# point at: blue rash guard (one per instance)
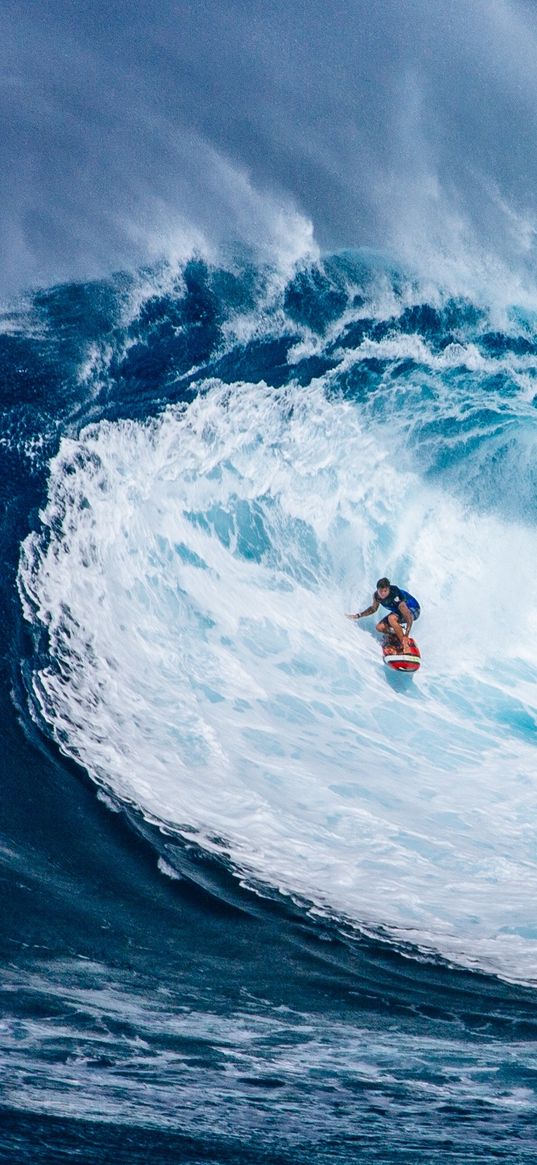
(395, 598)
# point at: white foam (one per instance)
(193, 574)
(168, 870)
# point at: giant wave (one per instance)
(251, 453)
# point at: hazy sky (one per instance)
(134, 130)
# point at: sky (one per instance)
(131, 132)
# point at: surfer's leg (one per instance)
(395, 625)
(408, 650)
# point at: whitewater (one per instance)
(187, 580)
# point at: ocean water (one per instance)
(263, 901)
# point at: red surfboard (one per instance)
(397, 661)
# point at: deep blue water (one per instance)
(259, 903)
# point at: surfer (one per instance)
(403, 609)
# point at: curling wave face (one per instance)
(191, 570)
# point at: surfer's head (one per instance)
(383, 584)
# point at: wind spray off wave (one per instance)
(192, 572)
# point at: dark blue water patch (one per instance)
(454, 321)
(424, 319)
(438, 325)
(240, 288)
(76, 314)
(313, 299)
(191, 302)
(27, 370)
(41, 1139)
(357, 332)
(461, 314)
(268, 361)
(49, 342)
(310, 368)
(40, 361)
(29, 440)
(499, 344)
(261, 360)
(172, 334)
(354, 334)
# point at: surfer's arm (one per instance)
(368, 611)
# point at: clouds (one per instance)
(398, 125)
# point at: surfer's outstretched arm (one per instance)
(368, 611)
